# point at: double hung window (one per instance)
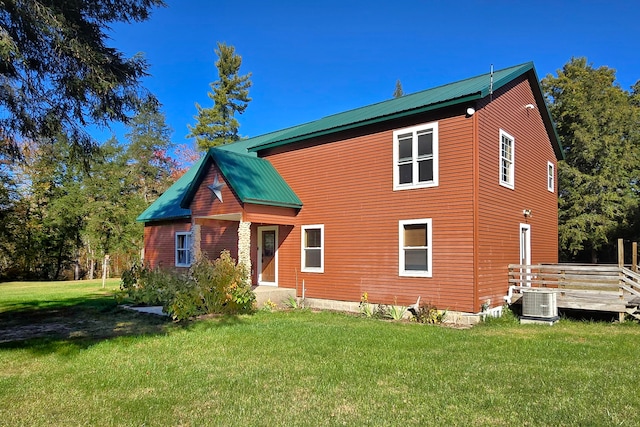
(183, 249)
(415, 157)
(312, 248)
(507, 150)
(551, 177)
(415, 248)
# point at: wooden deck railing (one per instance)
(581, 286)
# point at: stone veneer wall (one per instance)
(244, 245)
(196, 238)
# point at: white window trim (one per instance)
(188, 248)
(551, 177)
(511, 182)
(401, 261)
(304, 268)
(396, 171)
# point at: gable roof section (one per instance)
(255, 180)
(167, 206)
(252, 179)
(471, 89)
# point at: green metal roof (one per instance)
(442, 96)
(167, 206)
(255, 180)
(252, 179)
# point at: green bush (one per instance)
(220, 287)
(145, 286)
(428, 313)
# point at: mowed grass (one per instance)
(308, 368)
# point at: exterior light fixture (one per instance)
(471, 111)
(526, 213)
(529, 106)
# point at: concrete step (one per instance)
(277, 295)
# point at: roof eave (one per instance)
(546, 117)
(471, 97)
(273, 203)
(165, 218)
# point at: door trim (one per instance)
(525, 253)
(275, 255)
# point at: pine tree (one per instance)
(58, 74)
(597, 125)
(217, 125)
(398, 92)
(147, 153)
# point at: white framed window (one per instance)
(415, 251)
(551, 177)
(312, 252)
(507, 159)
(415, 157)
(183, 249)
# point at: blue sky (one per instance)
(312, 59)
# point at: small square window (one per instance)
(312, 255)
(415, 248)
(551, 177)
(183, 249)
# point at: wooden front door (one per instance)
(268, 256)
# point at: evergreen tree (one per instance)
(597, 123)
(398, 92)
(47, 218)
(217, 125)
(149, 142)
(58, 75)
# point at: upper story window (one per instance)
(415, 248)
(313, 248)
(551, 177)
(415, 157)
(183, 249)
(507, 165)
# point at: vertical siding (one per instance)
(500, 209)
(160, 243)
(347, 185)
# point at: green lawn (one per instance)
(111, 367)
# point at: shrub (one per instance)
(145, 286)
(428, 313)
(219, 287)
(224, 284)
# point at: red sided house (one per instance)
(429, 195)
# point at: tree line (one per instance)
(64, 213)
(67, 202)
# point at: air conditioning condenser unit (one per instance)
(539, 306)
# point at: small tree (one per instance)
(398, 92)
(217, 125)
